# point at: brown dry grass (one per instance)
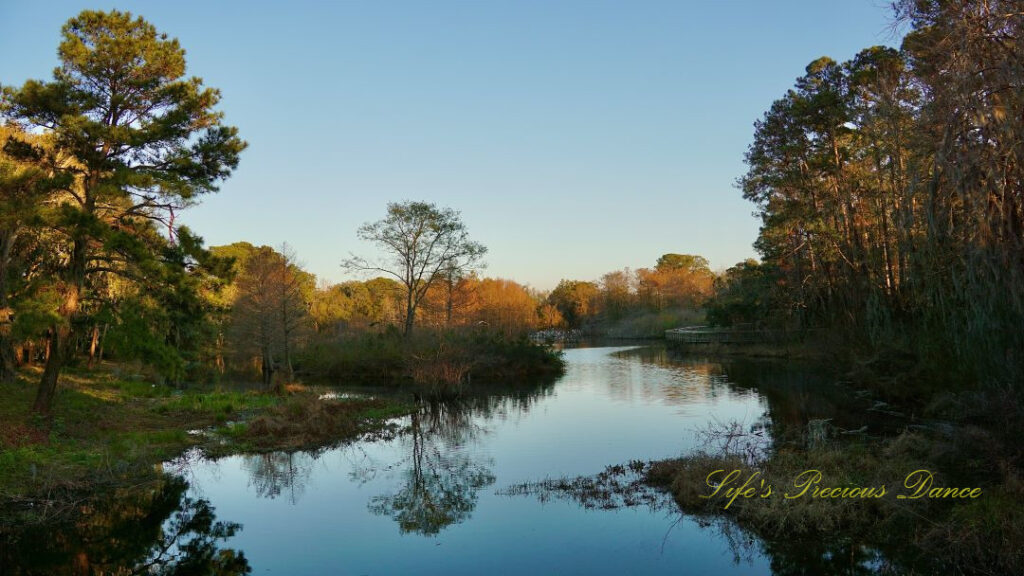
(307, 422)
(980, 536)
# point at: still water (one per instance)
(438, 493)
(430, 500)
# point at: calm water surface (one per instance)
(428, 500)
(438, 494)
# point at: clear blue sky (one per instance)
(576, 137)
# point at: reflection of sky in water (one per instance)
(306, 515)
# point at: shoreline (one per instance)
(47, 466)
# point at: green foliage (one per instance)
(368, 357)
(690, 262)
(748, 293)
(436, 362)
(33, 315)
(227, 403)
(137, 335)
(355, 304)
(136, 140)
(574, 300)
(171, 324)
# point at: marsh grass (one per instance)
(976, 536)
(308, 422)
(617, 486)
(885, 535)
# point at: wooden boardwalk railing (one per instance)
(738, 335)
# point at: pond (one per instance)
(437, 494)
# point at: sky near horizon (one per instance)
(575, 137)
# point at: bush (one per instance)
(436, 362)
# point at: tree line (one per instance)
(677, 282)
(889, 189)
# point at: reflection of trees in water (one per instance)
(661, 377)
(626, 486)
(143, 530)
(795, 392)
(505, 400)
(799, 394)
(279, 473)
(440, 478)
(829, 554)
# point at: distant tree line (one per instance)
(676, 282)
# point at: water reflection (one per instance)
(440, 479)
(402, 503)
(155, 530)
(795, 392)
(443, 472)
(278, 473)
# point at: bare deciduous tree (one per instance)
(422, 243)
(271, 309)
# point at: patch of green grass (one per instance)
(216, 402)
(136, 389)
(103, 430)
(234, 431)
(386, 411)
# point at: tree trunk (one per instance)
(268, 368)
(61, 338)
(448, 304)
(410, 313)
(94, 341)
(7, 372)
(220, 353)
(103, 338)
(48, 383)
(7, 358)
(288, 358)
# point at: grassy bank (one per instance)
(982, 535)
(105, 432)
